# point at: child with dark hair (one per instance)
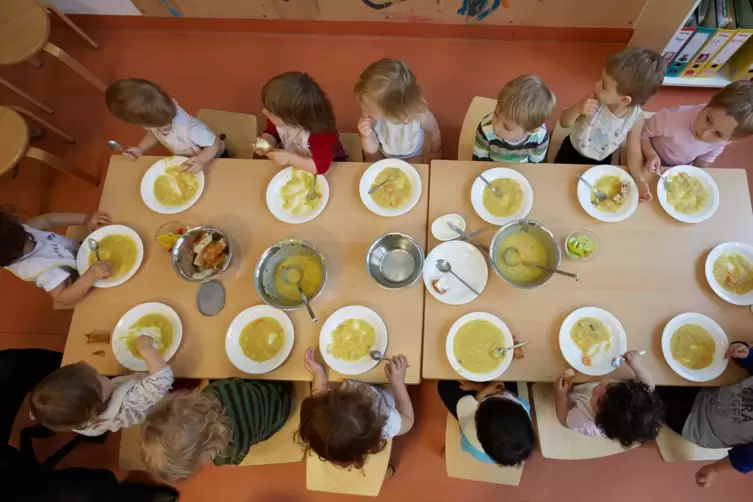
(627, 411)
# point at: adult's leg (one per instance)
(567, 154)
(678, 403)
(450, 393)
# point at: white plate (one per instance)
(441, 231)
(449, 347)
(82, 258)
(584, 193)
(338, 317)
(720, 361)
(466, 261)
(119, 348)
(601, 362)
(232, 340)
(274, 200)
(371, 173)
(740, 248)
(150, 176)
(477, 195)
(704, 177)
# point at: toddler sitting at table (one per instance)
(697, 134)
(76, 397)
(516, 131)
(628, 411)
(33, 253)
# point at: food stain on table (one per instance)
(262, 339)
(395, 192)
(687, 194)
(616, 192)
(117, 249)
(530, 249)
(312, 276)
(294, 193)
(352, 340)
(162, 331)
(474, 343)
(693, 347)
(506, 204)
(174, 187)
(734, 273)
(591, 336)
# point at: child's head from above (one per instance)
(342, 427)
(523, 105)
(504, 430)
(14, 240)
(630, 77)
(728, 115)
(387, 89)
(295, 99)
(627, 411)
(140, 102)
(70, 397)
(182, 433)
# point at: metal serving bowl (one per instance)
(540, 232)
(395, 260)
(264, 274)
(183, 256)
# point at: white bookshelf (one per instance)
(716, 81)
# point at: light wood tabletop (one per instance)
(650, 268)
(234, 200)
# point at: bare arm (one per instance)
(57, 220)
(635, 362)
(154, 360)
(561, 387)
(431, 128)
(147, 142)
(369, 140)
(570, 115)
(305, 163)
(395, 371)
(71, 293)
(635, 159)
(316, 369)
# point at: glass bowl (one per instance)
(585, 233)
(169, 233)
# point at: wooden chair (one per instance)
(480, 107)
(351, 143)
(559, 442)
(675, 448)
(129, 457)
(462, 465)
(325, 477)
(239, 130)
(21, 93)
(555, 141)
(25, 30)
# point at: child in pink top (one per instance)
(698, 134)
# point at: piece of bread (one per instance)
(262, 144)
(97, 337)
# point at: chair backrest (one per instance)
(239, 130)
(675, 448)
(555, 141)
(351, 143)
(479, 108)
(325, 477)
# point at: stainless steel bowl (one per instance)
(395, 260)
(543, 234)
(182, 256)
(264, 274)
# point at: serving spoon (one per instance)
(511, 257)
(292, 275)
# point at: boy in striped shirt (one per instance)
(516, 131)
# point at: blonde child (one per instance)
(628, 411)
(697, 134)
(76, 397)
(395, 119)
(219, 424)
(346, 422)
(143, 103)
(33, 253)
(608, 116)
(516, 131)
(300, 119)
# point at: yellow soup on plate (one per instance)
(693, 347)
(591, 336)
(687, 194)
(530, 249)
(734, 273)
(311, 276)
(120, 250)
(174, 188)
(162, 331)
(612, 186)
(395, 192)
(506, 204)
(474, 343)
(352, 340)
(294, 193)
(262, 339)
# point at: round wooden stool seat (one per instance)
(15, 139)
(25, 29)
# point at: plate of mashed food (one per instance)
(512, 198)
(348, 336)
(689, 195)
(729, 272)
(156, 320)
(119, 245)
(166, 189)
(621, 190)
(259, 339)
(395, 187)
(589, 338)
(471, 346)
(287, 195)
(695, 347)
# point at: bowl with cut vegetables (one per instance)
(581, 245)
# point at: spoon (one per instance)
(661, 177)
(444, 266)
(600, 196)
(617, 361)
(511, 257)
(114, 145)
(380, 185)
(496, 191)
(293, 275)
(311, 195)
(500, 352)
(466, 236)
(377, 356)
(94, 246)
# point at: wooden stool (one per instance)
(325, 477)
(15, 144)
(25, 30)
(239, 130)
(25, 96)
(675, 448)
(479, 108)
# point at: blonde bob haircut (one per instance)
(391, 86)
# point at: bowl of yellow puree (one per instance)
(535, 244)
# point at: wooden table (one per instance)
(234, 200)
(650, 268)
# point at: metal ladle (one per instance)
(293, 275)
(94, 246)
(511, 257)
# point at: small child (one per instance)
(346, 422)
(76, 397)
(221, 423)
(628, 411)
(395, 118)
(612, 114)
(495, 423)
(697, 134)
(33, 253)
(516, 131)
(300, 119)
(143, 103)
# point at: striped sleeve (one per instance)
(481, 148)
(540, 145)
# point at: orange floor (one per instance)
(226, 71)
